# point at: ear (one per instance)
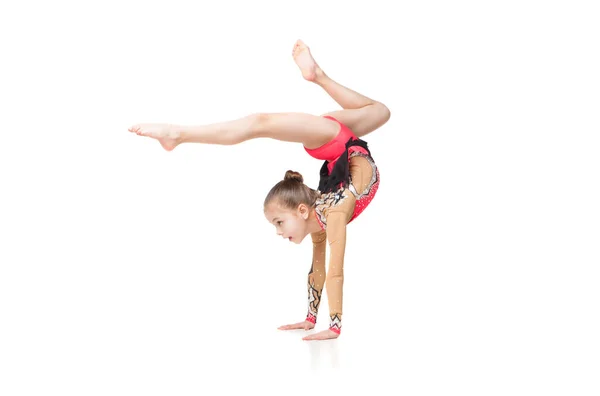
(303, 211)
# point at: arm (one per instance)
(336, 237)
(316, 281)
(316, 275)
(337, 218)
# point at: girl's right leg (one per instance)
(361, 114)
(310, 130)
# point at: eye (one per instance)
(279, 222)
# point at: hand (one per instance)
(322, 335)
(306, 325)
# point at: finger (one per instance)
(289, 327)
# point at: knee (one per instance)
(253, 127)
(260, 122)
(259, 119)
(383, 112)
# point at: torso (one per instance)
(345, 198)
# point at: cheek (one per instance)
(296, 226)
(288, 227)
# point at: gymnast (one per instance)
(348, 179)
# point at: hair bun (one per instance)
(293, 176)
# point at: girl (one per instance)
(349, 177)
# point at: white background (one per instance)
(129, 270)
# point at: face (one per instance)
(289, 224)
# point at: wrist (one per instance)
(335, 324)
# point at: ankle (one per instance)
(320, 77)
(176, 132)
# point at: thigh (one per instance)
(310, 130)
(364, 120)
(361, 173)
(364, 182)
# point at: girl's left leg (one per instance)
(310, 130)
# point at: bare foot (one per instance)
(303, 58)
(167, 136)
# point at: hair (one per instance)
(291, 192)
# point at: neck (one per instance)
(313, 223)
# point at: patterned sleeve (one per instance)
(336, 237)
(316, 275)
